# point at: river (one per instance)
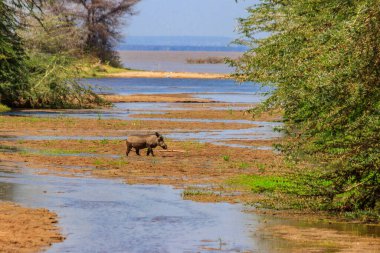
(104, 215)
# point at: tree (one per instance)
(34, 78)
(322, 59)
(12, 69)
(101, 20)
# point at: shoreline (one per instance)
(25, 229)
(162, 74)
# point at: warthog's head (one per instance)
(160, 141)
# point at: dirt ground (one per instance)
(317, 240)
(27, 230)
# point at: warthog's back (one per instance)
(141, 140)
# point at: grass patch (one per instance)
(244, 165)
(260, 184)
(5, 148)
(193, 191)
(90, 69)
(293, 191)
(4, 108)
(226, 158)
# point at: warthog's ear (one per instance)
(157, 134)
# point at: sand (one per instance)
(27, 230)
(161, 74)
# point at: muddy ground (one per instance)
(186, 164)
(27, 230)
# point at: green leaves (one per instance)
(36, 79)
(323, 57)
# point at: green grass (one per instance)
(4, 108)
(54, 152)
(293, 191)
(104, 142)
(226, 158)
(89, 70)
(9, 148)
(193, 191)
(261, 183)
(244, 165)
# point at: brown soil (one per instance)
(27, 230)
(212, 114)
(185, 163)
(159, 74)
(323, 240)
(163, 98)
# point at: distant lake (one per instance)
(219, 90)
(175, 61)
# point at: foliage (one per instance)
(52, 34)
(4, 108)
(100, 20)
(12, 53)
(52, 84)
(35, 78)
(323, 60)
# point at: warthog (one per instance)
(145, 141)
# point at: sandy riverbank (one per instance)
(162, 74)
(155, 98)
(26, 229)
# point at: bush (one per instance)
(322, 58)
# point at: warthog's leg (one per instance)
(150, 151)
(137, 151)
(129, 148)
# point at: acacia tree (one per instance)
(101, 20)
(323, 60)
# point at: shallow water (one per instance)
(175, 61)
(109, 216)
(98, 215)
(127, 86)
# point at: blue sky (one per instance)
(186, 18)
